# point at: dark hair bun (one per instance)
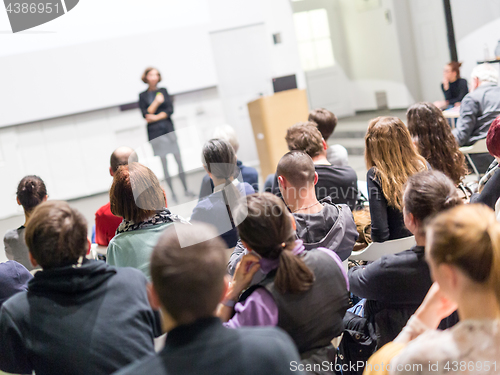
(31, 191)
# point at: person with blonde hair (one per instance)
(390, 159)
(463, 252)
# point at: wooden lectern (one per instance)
(271, 116)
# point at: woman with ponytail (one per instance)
(463, 252)
(304, 292)
(31, 191)
(396, 284)
(219, 160)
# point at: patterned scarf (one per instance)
(489, 174)
(161, 217)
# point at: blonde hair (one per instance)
(468, 237)
(390, 150)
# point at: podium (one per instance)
(271, 116)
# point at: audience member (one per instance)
(454, 88)
(304, 292)
(248, 174)
(78, 316)
(327, 122)
(219, 160)
(105, 222)
(340, 183)
(462, 249)
(435, 142)
(14, 278)
(318, 224)
(136, 195)
(477, 112)
(188, 283)
(390, 159)
(31, 191)
(395, 285)
(489, 185)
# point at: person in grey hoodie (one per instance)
(318, 223)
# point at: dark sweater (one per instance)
(206, 347)
(490, 193)
(14, 278)
(387, 221)
(93, 319)
(456, 91)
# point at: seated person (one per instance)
(395, 285)
(105, 222)
(489, 185)
(78, 316)
(339, 183)
(388, 170)
(197, 343)
(14, 278)
(31, 191)
(464, 257)
(327, 122)
(318, 224)
(136, 195)
(454, 88)
(478, 110)
(217, 209)
(249, 174)
(304, 292)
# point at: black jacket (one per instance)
(93, 319)
(206, 347)
(162, 127)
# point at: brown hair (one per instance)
(189, 280)
(434, 140)
(56, 235)
(267, 226)
(468, 237)
(136, 193)
(145, 74)
(455, 67)
(389, 149)
(31, 191)
(305, 136)
(429, 192)
(325, 120)
(297, 167)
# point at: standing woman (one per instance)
(390, 159)
(435, 142)
(31, 191)
(157, 109)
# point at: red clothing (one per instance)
(105, 225)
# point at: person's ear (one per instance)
(282, 182)
(315, 178)
(111, 172)
(245, 245)
(45, 198)
(294, 224)
(153, 298)
(33, 262)
(89, 245)
(325, 145)
(17, 200)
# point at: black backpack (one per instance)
(357, 345)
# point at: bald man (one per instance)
(105, 222)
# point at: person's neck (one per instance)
(321, 160)
(308, 204)
(153, 88)
(26, 218)
(419, 239)
(454, 80)
(470, 300)
(221, 181)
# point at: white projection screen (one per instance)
(94, 55)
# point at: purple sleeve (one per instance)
(259, 309)
(336, 258)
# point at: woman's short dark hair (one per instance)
(31, 191)
(146, 72)
(56, 235)
(428, 193)
(189, 277)
(219, 158)
(267, 229)
(136, 193)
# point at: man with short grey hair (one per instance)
(478, 110)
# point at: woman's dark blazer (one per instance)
(162, 127)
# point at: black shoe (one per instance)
(189, 194)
